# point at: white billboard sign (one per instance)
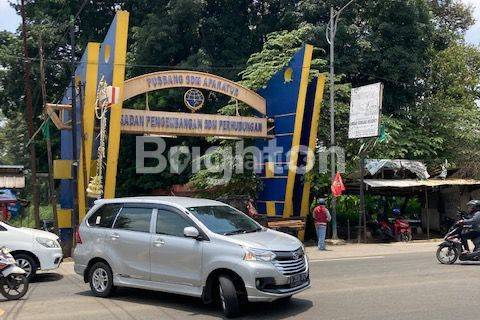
(365, 111)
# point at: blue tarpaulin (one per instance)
(9, 197)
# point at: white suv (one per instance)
(32, 249)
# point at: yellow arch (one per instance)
(192, 79)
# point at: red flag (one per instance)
(337, 185)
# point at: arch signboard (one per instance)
(191, 124)
(192, 79)
(287, 113)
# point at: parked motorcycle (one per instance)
(399, 230)
(13, 279)
(452, 248)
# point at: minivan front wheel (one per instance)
(101, 279)
(229, 300)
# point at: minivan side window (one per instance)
(134, 219)
(170, 223)
(104, 216)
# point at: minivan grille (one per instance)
(290, 262)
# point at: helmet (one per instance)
(473, 205)
(396, 212)
(321, 202)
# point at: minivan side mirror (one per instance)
(191, 232)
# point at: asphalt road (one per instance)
(402, 286)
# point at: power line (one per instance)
(128, 65)
(170, 67)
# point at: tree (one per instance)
(277, 51)
(13, 139)
(398, 42)
(450, 110)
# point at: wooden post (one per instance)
(428, 214)
(362, 214)
(51, 183)
(348, 229)
(29, 117)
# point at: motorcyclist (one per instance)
(397, 213)
(473, 224)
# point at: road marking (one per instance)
(2, 312)
(347, 258)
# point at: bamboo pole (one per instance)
(51, 183)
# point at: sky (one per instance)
(9, 20)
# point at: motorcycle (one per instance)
(452, 248)
(13, 279)
(399, 230)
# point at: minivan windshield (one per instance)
(224, 220)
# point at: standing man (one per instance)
(321, 217)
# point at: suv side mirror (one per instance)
(191, 232)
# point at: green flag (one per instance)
(46, 129)
(383, 136)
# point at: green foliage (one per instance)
(13, 139)
(277, 51)
(27, 220)
(414, 46)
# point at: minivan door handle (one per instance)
(158, 242)
(114, 236)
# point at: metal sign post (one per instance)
(365, 114)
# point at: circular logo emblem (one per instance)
(194, 99)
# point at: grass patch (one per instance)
(27, 220)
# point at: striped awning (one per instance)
(12, 181)
(408, 183)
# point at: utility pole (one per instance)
(29, 117)
(74, 128)
(332, 119)
(330, 35)
(51, 183)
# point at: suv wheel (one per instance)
(27, 263)
(229, 300)
(101, 280)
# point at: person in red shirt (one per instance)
(321, 216)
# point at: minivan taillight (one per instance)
(78, 239)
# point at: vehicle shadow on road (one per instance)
(195, 306)
(47, 277)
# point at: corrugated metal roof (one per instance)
(408, 183)
(8, 166)
(10, 181)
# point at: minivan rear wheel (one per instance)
(229, 300)
(101, 280)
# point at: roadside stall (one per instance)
(441, 196)
(12, 179)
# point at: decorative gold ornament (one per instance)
(95, 187)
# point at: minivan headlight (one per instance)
(258, 255)
(49, 243)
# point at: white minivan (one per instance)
(32, 249)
